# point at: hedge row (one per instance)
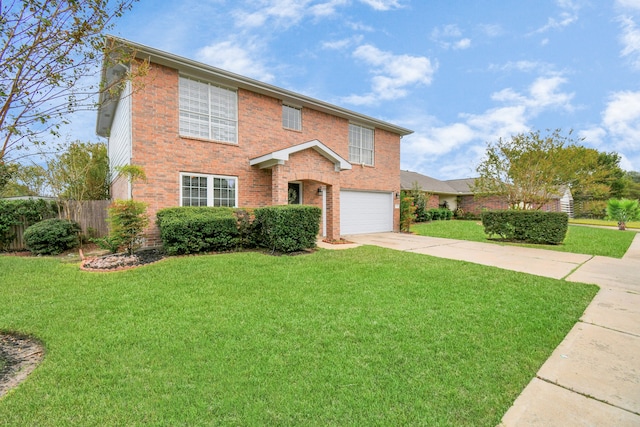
(527, 226)
(186, 230)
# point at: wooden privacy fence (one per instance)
(92, 218)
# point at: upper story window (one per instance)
(291, 117)
(360, 145)
(208, 111)
(208, 190)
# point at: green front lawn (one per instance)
(365, 336)
(580, 240)
(604, 223)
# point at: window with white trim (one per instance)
(208, 111)
(291, 117)
(361, 145)
(208, 190)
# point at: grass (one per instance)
(604, 223)
(365, 336)
(581, 240)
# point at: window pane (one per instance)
(361, 144)
(291, 118)
(194, 191)
(207, 111)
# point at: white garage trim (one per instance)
(365, 212)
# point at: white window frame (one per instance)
(359, 153)
(210, 187)
(208, 112)
(291, 117)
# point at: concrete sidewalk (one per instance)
(593, 376)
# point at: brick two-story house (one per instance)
(208, 137)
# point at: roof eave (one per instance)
(198, 69)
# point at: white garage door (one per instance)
(365, 212)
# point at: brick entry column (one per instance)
(333, 212)
(279, 186)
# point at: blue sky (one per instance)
(458, 72)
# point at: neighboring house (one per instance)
(457, 194)
(208, 137)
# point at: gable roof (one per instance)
(108, 101)
(462, 186)
(433, 185)
(279, 157)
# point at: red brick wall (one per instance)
(163, 154)
(478, 204)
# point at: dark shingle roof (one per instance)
(432, 185)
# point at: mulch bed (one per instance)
(121, 261)
(21, 354)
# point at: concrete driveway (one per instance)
(593, 376)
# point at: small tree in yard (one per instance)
(407, 212)
(623, 211)
(128, 219)
(528, 170)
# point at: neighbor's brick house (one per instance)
(457, 193)
(205, 136)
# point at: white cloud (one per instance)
(383, 5)
(621, 119)
(465, 140)
(628, 4)
(230, 55)
(630, 39)
(393, 74)
(450, 36)
(342, 44)
(491, 30)
(567, 16)
(462, 44)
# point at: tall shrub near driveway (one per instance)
(623, 211)
(287, 228)
(527, 226)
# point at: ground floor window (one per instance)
(208, 190)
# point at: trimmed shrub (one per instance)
(193, 229)
(287, 228)
(440, 214)
(527, 226)
(52, 236)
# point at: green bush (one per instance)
(52, 236)
(127, 220)
(287, 228)
(191, 229)
(25, 212)
(440, 214)
(407, 212)
(526, 226)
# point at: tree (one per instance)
(7, 171)
(530, 169)
(79, 174)
(28, 180)
(49, 49)
(632, 190)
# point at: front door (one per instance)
(295, 193)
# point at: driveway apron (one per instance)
(593, 377)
